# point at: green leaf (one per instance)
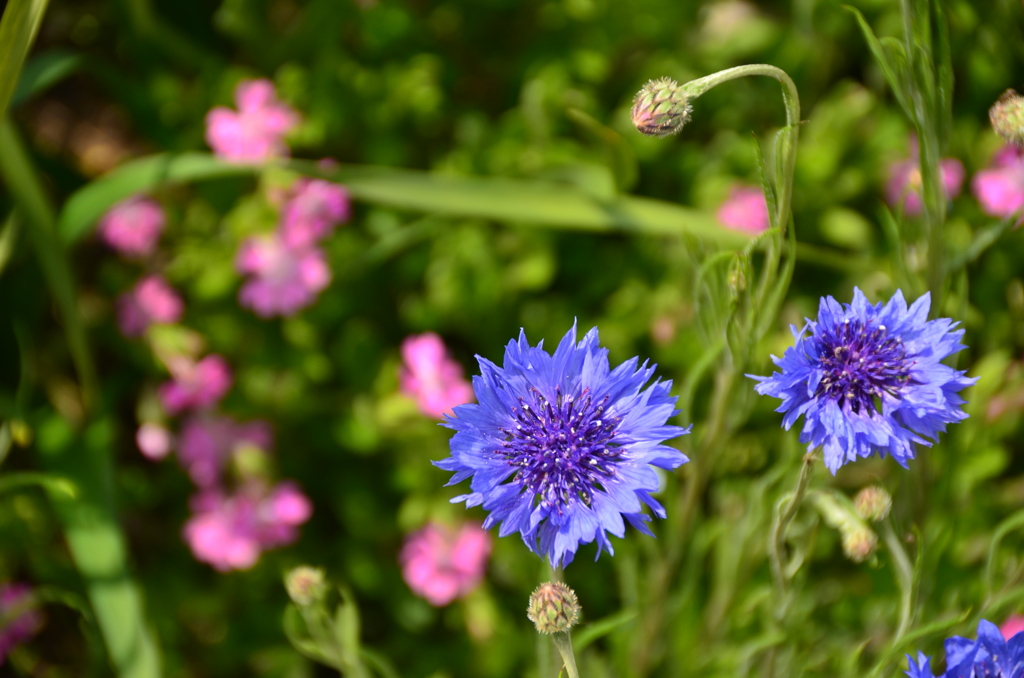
(981, 242)
(892, 74)
(518, 201)
(45, 71)
(55, 484)
(601, 628)
(18, 30)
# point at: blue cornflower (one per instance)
(990, 656)
(867, 379)
(560, 447)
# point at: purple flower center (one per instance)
(859, 363)
(563, 449)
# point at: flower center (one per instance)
(563, 449)
(860, 363)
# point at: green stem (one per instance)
(563, 641)
(904, 577)
(783, 517)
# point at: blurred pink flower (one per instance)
(316, 206)
(152, 300)
(133, 226)
(23, 617)
(430, 377)
(904, 183)
(255, 132)
(284, 279)
(230, 532)
(1012, 626)
(154, 441)
(195, 385)
(206, 444)
(441, 565)
(1000, 188)
(746, 210)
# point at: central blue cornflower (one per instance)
(561, 447)
(867, 378)
(990, 656)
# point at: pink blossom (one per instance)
(1012, 626)
(23, 618)
(230, 532)
(195, 385)
(133, 226)
(316, 207)
(746, 210)
(284, 279)
(430, 377)
(152, 300)
(1000, 188)
(904, 183)
(255, 132)
(441, 565)
(154, 441)
(207, 443)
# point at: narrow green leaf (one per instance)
(981, 242)
(8, 239)
(892, 75)
(601, 628)
(55, 484)
(45, 71)
(18, 29)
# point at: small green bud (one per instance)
(859, 543)
(660, 108)
(1007, 116)
(305, 585)
(553, 608)
(873, 503)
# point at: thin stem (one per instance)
(783, 517)
(904, 577)
(563, 641)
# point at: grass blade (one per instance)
(18, 30)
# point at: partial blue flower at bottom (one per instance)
(561, 448)
(990, 656)
(867, 379)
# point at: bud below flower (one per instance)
(873, 503)
(660, 108)
(553, 608)
(1007, 116)
(859, 543)
(305, 585)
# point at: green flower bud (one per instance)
(873, 503)
(305, 585)
(859, 543)
(660, 108)
(1007, 116)
(553, 608)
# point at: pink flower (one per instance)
(255, 133)
(195, 385)
(746, 210)
(1000, 188)
(315, 208)
(284, 279)
(904, 183)
(133, 226)
(207, 443)
(230, 532)
(154, 441)
(23, 618)
(430, 377)
(1012, 626)
(441, 565)
(152, 300)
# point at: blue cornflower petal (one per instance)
(990, 655)
(867, 379)
(561, 448)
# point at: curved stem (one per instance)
(783, 517)
(564, 644)
(904, 577)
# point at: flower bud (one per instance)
(305, 585)
(859, 543)
(873, 503)
(1007, 116)
(553, 608)
(660, 108)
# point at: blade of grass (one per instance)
(18, 29)
(30, 200)
(43, 71)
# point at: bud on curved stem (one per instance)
(660, 108)
(1007, 116)
(554, 610)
